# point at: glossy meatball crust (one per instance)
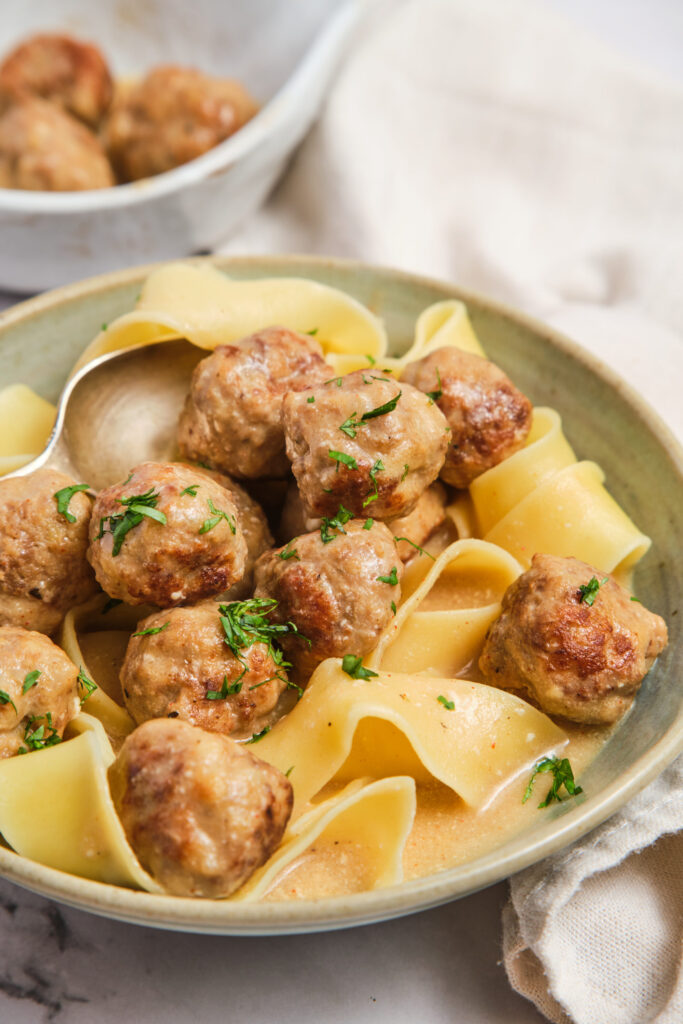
(584, 662)
(169, 673)
(195, 554)
(233, 414)
(200, 811)
(54, 692)
(403, 448)
(66, 71)
(44, 149)
(173, 115)
(43, 566)
(332, 592)
(489, 418)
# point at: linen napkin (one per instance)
(501, 147)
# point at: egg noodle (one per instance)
(375, 763)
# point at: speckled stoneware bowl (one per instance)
(604, 420)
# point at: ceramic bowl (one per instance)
(604, 420)
(286, 59)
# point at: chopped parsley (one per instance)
(86, 685)
(333, 380)
(353, 666)
(562, 776)
(103, 327)
(289, 771)
(633, 598)
(342, 457)
(259, 735)
(393, 607)
(288, 552)
(38, 737)
(191, 490)
(311, 399)
(406, 470)
(216, 515)
(391, 579)
(64, 497)
(227, 689)
(6, 699)
(371, 360)
(30, 679)
(138, 506)
(337, 523)
(153, 630)
(313, 332)
(416, 546)
(351, 425)
(589, 591)
(438, 392)
(448, 704)
(377, 468)
(369, 523)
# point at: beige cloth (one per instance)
(496, 145)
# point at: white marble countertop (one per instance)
(438, 966)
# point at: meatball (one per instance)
(419, 525)
(489, 418)
(254, 525)
(167, 535)
(43, 566)
(63, 70)
(171, 116)
(200, 811)
(363, 441)
(44, 149)
(339, 593)
(38, 691)
(170, 672)
(572, 641)
(233, 414)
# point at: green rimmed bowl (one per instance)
(604, 420)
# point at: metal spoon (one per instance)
(119, 410)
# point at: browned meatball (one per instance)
(173, 115)
(38, 691)
(418, 526)
(254, 525)
(363, 441)
(582, 660)
(200, 811)
(169, 673)
(44, 149)
(233, 414)
(339, 594)
(167, 536)
(489, 418)
(43, 566)
(63, 70)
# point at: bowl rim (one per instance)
(325, 48)
(558, 832)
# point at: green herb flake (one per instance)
(393, 607)
(391, 579)
(103, 327)
(246, 623)
(6, 699)
(406, 470)
(377, 468)
(38, 737)
(86, 684)
(138, 506)
(259, 735)
(448, 704)
(562, 776)
(289, 771)
(350, 426)
(191, 490)
(369, 523)
(416, 546)
(343, 459)
(438, 392)
(333, 380)
(216, 516)
(381, 410)
(63, 499)
(288, 552)
(353, 666)
(228, 689)
(311, 399)
(153, 630)
(634, 598)
(335, 523)
(30, 679)
(371, 359)
(313, 332)
(589, 591)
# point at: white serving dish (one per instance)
(286, 53)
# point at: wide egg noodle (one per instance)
(487, 738)
(377, 816)
(208, 308)
(26, 421)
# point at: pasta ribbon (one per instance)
(26, 421)
(204, 305)
(394, 724)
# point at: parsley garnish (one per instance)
(438, 392)
(353, 666)
(589, 591)
(347, 460)
(288, 552)
(227, 689)
(137, 507)
(103, 327)
(377, 468)
(632, 598)
(393, 607)
(259, 735)
(289, 771)
(192, 490)
(41, 736)
(562, 776)
(391, 579)
(352, 424)
(333, 380)
(217, 515)
(337, 523)
(63, 498)
(448, 704)
(371, 360)
(30, 679)
(246, 623)
(6, 699)
(406, 470)
(87, 685)
(313, 332)
(368, 524)
(311, 399)
(153, 630)
(416, 546)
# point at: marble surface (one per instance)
(439, 966)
